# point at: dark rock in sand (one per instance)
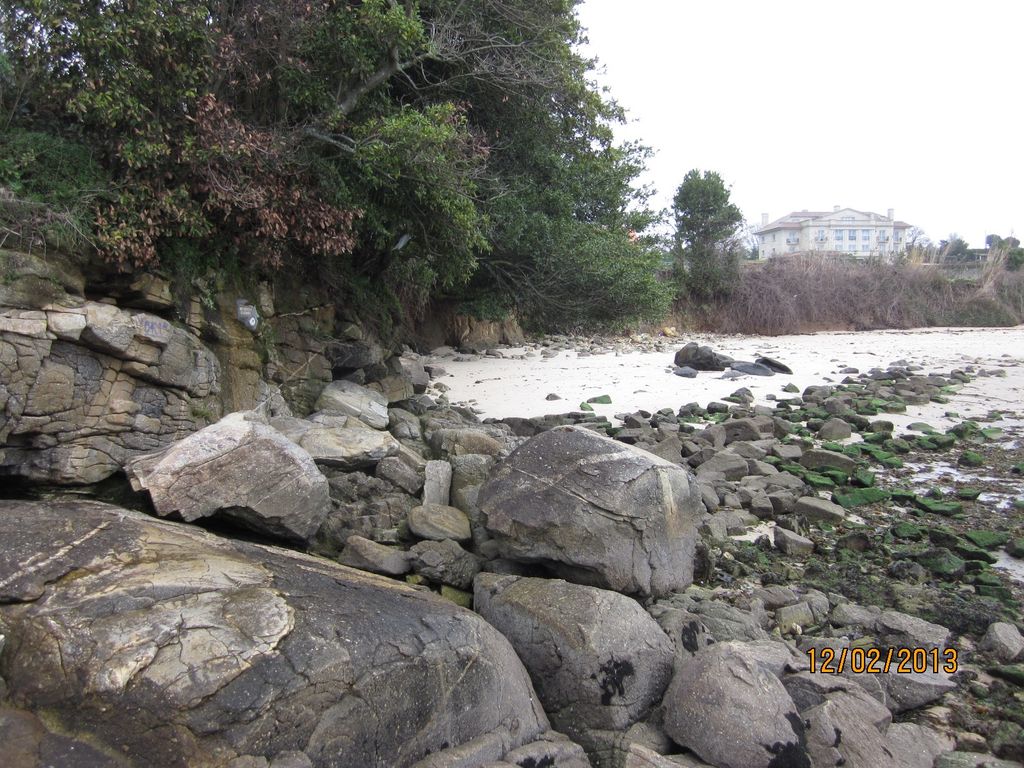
(701, 358)
(774, 365)
(751, 369)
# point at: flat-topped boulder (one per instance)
(350, 447)
(595, 511)
(239, 468)
(347, 397)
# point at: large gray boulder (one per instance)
(438, 522)
(241, 469)
(349, 447)
(819, 510)
(595, 511)
(850, 728)
(367, 405)
(818, 458)
(597, 659)
(900, 692)
(901, 629)
(1003, 641)
(172, 647)
(729, 708)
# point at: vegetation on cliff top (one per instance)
(397, 150)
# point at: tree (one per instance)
(1006, 249)
(954, 249)
(706, 248)
(917, 238)
(304, 135)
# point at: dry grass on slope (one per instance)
(800, 294)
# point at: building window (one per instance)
(865, 247)
(853, 234)
(865, 234)
(839, 234)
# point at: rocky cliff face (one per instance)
(95, 370)
(84, 384)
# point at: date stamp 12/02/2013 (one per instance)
(882, 660)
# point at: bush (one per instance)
(804, 293)
(586, 277)
(1015, 259)
(45, 168)
(486, 306)
(48, 185)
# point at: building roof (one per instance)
(796, 219)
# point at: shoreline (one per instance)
(638, 377)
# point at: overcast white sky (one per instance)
(804, 104)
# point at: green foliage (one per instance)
(585, 276)
(955, 249)
(486, 306)
(995, 241)
(416, 177)
(703, 214)
(47, 184)
(317, 136)
(707, 253)
(1015, 259)
(1007, 247)
(46, 168)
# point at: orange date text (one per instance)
(882, 660)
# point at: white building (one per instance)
(844, 230)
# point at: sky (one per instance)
(912, 105)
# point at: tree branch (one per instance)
(344, 143)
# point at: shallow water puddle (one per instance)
(1013, 567)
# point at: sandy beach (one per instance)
(643, 380)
